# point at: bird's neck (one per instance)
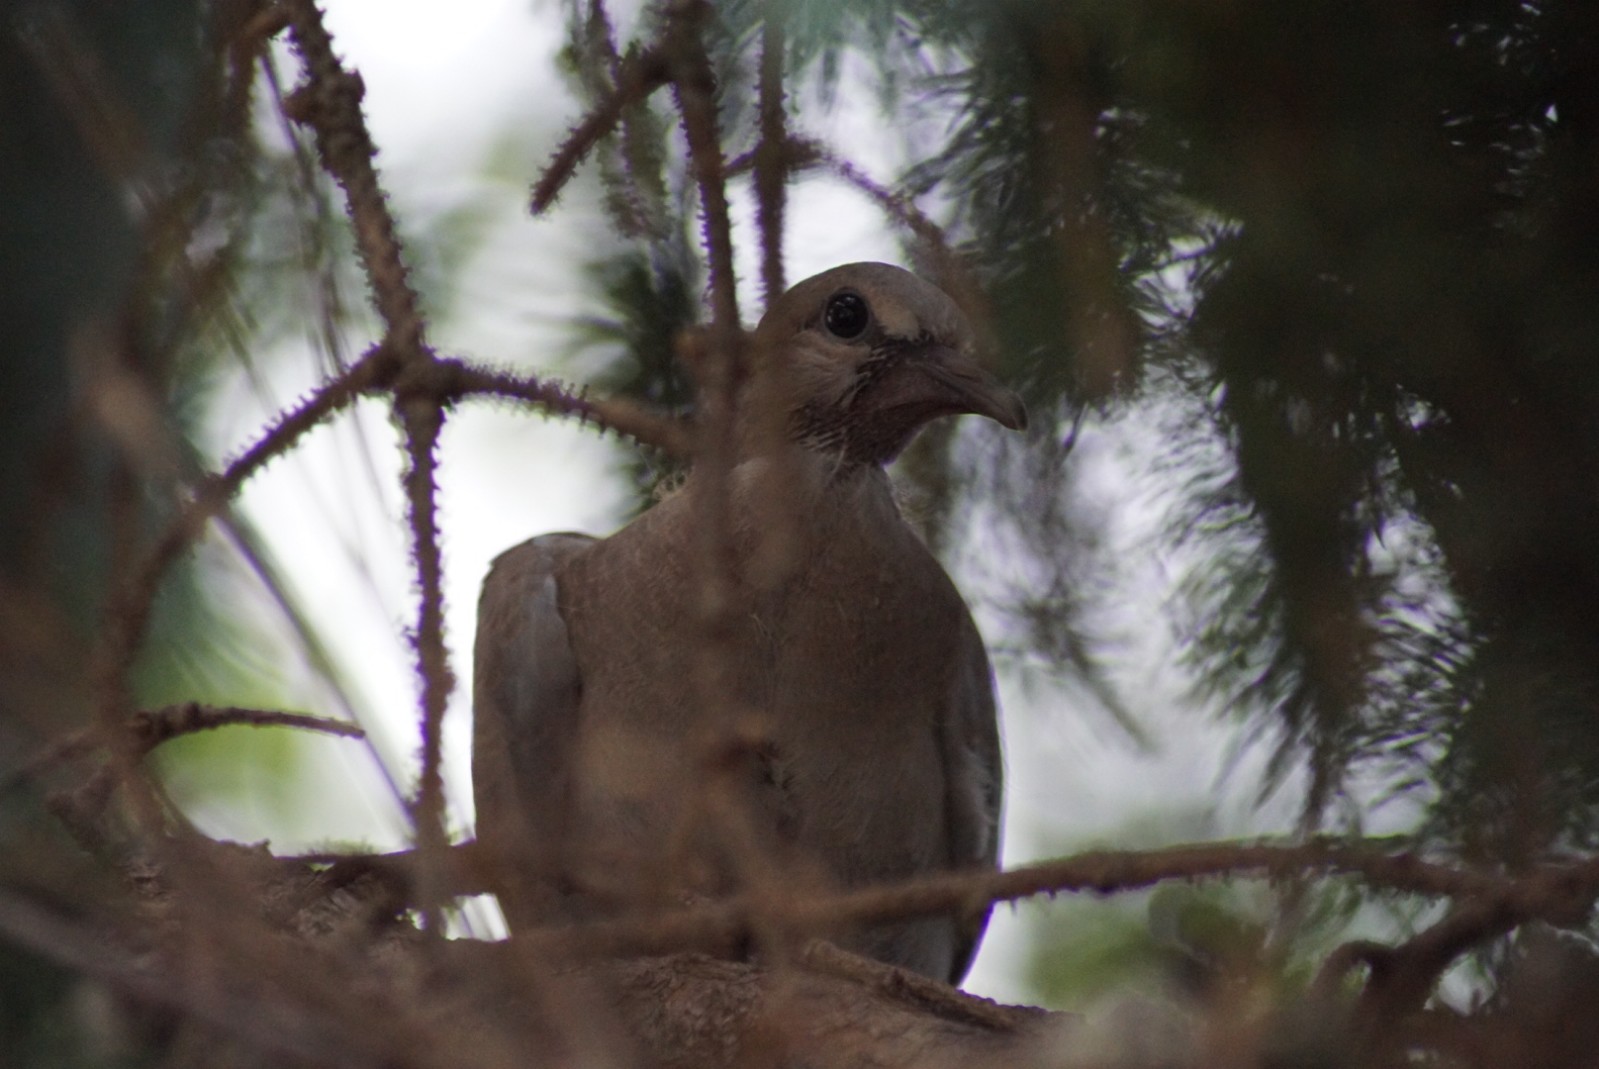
(796, 498)
(772, 416)
(808, 472)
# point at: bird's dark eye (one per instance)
(846, 315)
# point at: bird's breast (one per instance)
(847, 667)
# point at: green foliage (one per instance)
(1235, 943)
(1200, 945)
(1085, 947)
(650, 294)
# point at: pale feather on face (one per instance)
(867, 354)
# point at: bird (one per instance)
(870, 751)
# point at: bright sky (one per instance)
(444, 94)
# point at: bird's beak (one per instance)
(951, 382)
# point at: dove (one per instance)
(854, 741)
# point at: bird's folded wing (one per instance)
(975, 779)
(526, 689)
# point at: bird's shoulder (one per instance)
(526, 688)
(539, 557)
(519, 620)
(519, 607)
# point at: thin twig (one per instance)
(694, 85)
(1402, 977)
(154, 726)
(805, 153)
(423, 419)
(617, 415)
(718, 358)
(724, 924)
(641, 74)
(771, 158)
(330, 104)
(947, 269)
(150, 728)
(714, 356)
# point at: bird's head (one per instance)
(868, 354)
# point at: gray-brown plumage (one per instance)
(600, 773)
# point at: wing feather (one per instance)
(974, 780)
(526, 691)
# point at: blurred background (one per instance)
(1303, 298)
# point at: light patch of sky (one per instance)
(1075, 778)
(441, 92)
(442, 84)
(831, 223)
